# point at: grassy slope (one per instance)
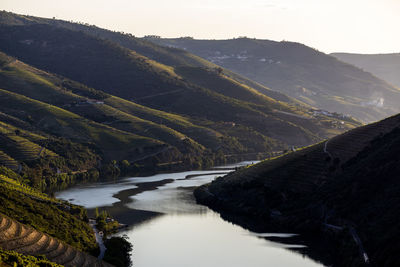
(60, 122)
(354, 181)
(39, 85)
(19, 146)
(118, 113)
(31, 207)
(30, 152)
(167, 55)
(12, 258)
(300, 72)
(130, 75)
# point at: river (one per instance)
(168, 229)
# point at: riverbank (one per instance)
(150, 171)
(129, 216)
(256, 209)
(171, 219)
(319, 244)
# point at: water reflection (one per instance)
(172, 198)
(206, 240)
(168, 228)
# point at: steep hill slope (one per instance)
(32, 223)
(77, 113)
(26, 240)
(55, 218)
(166, 55)
(345, 189)
(300, 72)
(172, 129)
(39, 85)
(384, 66)
(122, 72)
(31, 155)
(63, 123)
(10, 258)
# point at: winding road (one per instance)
(99, 239)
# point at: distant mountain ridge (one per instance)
(384, 66)
(300, 72)
(166, 55)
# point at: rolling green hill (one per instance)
(115, 112)
(124, 73)
(27, 205)
(345, 189)
(62, 108)
(42, 86)
(63, 123)
(301, 72)
(384, 66)
(79, 84)
(166, 55)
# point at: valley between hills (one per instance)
(85, 108)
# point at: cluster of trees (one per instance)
(105, 223)
(118, 251)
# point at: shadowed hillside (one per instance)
(122, 72)
(63, 123)
(345, 189)
(166, 55)
(116, 113)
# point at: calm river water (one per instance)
(168, 229)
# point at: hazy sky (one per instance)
(365, 26)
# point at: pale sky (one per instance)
(363, 26)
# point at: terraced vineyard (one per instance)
(302, 170)
(347, 145)
(17, 145)
(26, 240)
(8, 161)
(348, 182)
(22, 149)
(12, 184)
(306, 169)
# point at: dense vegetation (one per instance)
(58, 219)
(154, 84)
(192, 114)
(95, 103)
(343, 189)
(118, 251)
(12, 258)
(105, 223)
